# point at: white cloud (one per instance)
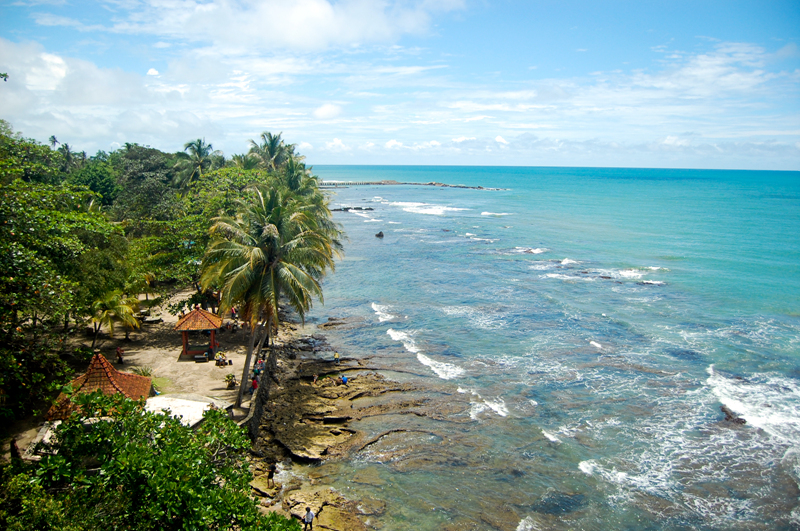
(500, 140)
(463, 139)
(393, 144)
(304, 146)
(327, 111)
(336, 146)
(270, 24)
(152, 72)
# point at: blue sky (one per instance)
(702, 84)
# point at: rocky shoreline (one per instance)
(306, 423)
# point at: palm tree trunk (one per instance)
(96, 333)
(246, 368)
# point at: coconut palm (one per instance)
(272, 152)
(275, 246)
(245, 162)
(113, 308)
(53, 141)
(196, 157)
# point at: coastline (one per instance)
(305, 426)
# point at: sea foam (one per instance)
(383, 312)
(445, 371)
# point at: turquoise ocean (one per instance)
(576, 334)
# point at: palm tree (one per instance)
(195, 157)
(272, 152)
(112, 308)
(69, 160)
(276, 246)
(245, 162)
(53, 141)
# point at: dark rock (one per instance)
(730, 416)
(379, 235)
(559, 503)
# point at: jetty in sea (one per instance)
(347, 184)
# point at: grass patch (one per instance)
(161, 384)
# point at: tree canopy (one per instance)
(112, 465)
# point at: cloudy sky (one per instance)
(700, 84)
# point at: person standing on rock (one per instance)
(271, 475)
(336, 357)
(308, 519)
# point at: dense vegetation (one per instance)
(135, 470)
(83, 237)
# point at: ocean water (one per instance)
(575, 336)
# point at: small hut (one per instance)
(103, 376)
(198, 320)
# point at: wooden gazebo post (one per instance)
(198, 320)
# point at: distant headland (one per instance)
(346, 184)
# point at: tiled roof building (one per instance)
(103, 376)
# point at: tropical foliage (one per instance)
(279, 243)
(114, 466)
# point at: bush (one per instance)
(128, 469)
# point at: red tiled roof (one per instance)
(103, 376)
(199, 319)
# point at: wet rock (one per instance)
(559, 503)
(369, 476)
(379, 235)
(730, 416)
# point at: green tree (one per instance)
(196, 157)
(26, 159)
(130, 469)
(244, 162)
(111, 308)
(271, 152)
(100, 177)
(275, 246)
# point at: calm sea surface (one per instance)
(577, 334)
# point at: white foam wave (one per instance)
(373, 220)
(479, 318)
(596, 344)
(394, 223)
(551, 437)
(630, 273)
(527, 524)
(359, 213)
(405, 338)
(567, 261)
(497, 214)
(383, 312)
(652, 282)
(498, 406)
(445, 371)
(469, 234)
(426, 208)
(769, 402)
(542, 266)
(531, 250)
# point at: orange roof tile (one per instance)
(103, 376)
(199, 319)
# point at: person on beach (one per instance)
(271, 474)
(308, 519)
(315, 379)
(344, 380)
(254, 385)
(120, 352)
(336, 357)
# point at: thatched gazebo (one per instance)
(102, 376)
(198, 320)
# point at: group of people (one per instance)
(258, 370)
(220, 359)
